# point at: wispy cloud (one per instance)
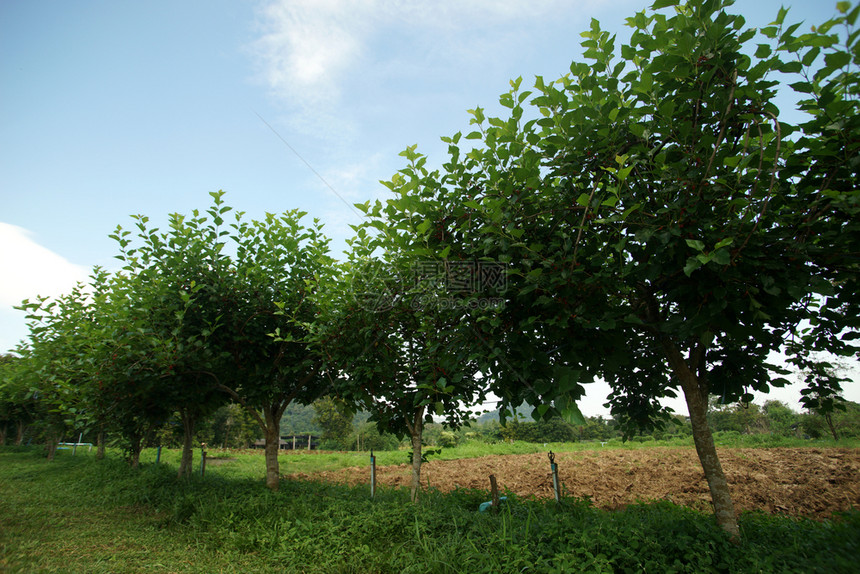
(307, 47)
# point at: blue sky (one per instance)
(110, 108)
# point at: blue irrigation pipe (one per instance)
(372, 475)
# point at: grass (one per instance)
(78, 514)
(301, 461)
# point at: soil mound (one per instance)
(814, 482)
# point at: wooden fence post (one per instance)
(494, 492)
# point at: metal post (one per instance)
(202, 458)
(372, 475)
(158, 455)
(75, 448)
(554, 467)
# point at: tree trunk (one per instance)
(187, 452)
(19, 433)
(51, 442)
(829, 419)
(273, 445)
(416, 430)
(100, 447)
(134, 448)
(697, 404)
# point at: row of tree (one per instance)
(650, 220)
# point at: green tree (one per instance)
(226, 310)
(172, 282)
(16, 410)
(744, 418)
(396, 338)
(663, 230)
(232, 427)
(782, 421)
(298, 419)
(268, 310)
(368, 437)
(57, 368)
(841, 423)
(334, 416)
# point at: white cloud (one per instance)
(28, 269)
(307, 44)
(307, 47)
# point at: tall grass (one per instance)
(79, 514)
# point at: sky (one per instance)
(109, 109)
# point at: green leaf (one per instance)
(837, 60)
(423, 226)
(569, 410)
(565, 378)
(658, 4)
(724, 242)
(695, 244)
(692, 265)
(763, 51)
(540, 411)
(721, 257)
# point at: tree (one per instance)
(226, 311)
(171, 282)
(56, 367)
(782, 421)
(232, 427)
(842, 423)
(744, 418)
(334, 416)
(396, 338)
(16, 410)
(268, 312)
(662, 229)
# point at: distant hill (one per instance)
(299, 419)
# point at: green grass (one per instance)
(78, 514)
(303, 462)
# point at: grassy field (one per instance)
(78, 514)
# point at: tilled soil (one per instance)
(813, 482)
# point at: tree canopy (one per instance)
(665, 228)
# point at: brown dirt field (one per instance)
(813, 482)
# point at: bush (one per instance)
(447, 439)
